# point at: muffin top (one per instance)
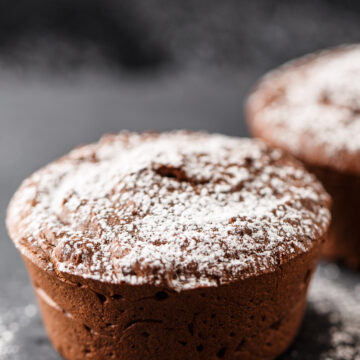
(311, 107)
(181, 210)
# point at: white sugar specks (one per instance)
(11, 322)
(313, 105)
(178, 209)
(341, 304)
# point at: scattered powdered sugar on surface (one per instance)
(329, 295)
(177, 209)
(331, 328)
(314, 105)
(11, 322)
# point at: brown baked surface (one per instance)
(310, 107)
(181, 210)
(251, 319)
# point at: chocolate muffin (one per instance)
(171, 246)
(310, 107)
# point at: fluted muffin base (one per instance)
(255, 318)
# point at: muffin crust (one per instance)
(177, 209)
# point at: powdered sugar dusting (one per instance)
(177, 209)
(312, 106)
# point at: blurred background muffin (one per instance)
(310, 108)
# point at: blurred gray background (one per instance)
(71, 71)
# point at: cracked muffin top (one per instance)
(311, 108)
(179, 209)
